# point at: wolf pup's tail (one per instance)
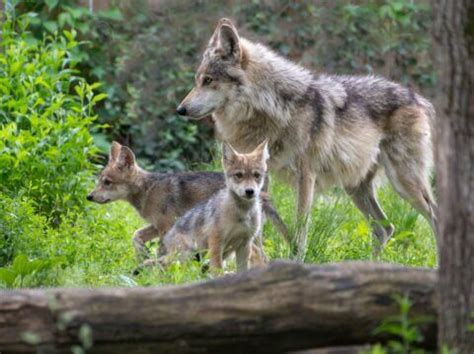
(271, 213)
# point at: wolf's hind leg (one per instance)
(364, 197)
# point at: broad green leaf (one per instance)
(51, 3)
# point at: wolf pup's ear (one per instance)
(228, 153)
(229, 41)
(126, 158)
(262, 151)
(114, 151)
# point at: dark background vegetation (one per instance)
(145, 53)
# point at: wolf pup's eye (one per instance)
(107, 182)
(239, 175)
(207, 81)
(257, 175)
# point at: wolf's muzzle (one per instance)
(181, 110)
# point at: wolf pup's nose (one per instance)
(249, 193)
(181, 110)
(89, 197)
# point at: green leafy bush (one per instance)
(24, 272)
(18, 218)
(45, 117)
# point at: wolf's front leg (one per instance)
(306, 181)
(142, 236)
(242, 256)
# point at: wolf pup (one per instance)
(324, 130)
(230, 220)
(160, 198)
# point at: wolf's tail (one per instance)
(429, 109)
(271, 213)
(431, 115)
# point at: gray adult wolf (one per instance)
(325, 130)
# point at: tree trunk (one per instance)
(279, 308)
(454, 39)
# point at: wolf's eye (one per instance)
(257, 175)
(207, 81)
(107, 182)
(239, 175)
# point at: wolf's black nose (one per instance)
(89, 197)
(249, 192)
(181, 111)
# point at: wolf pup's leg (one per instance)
(271, 213)
(269, 210)
(142, 236)
(242, 255)
(215, 252)
(305, 193)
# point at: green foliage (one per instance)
(45, 114)
(376, 36)
(404, 328)
(23, 272)
(407, 331)
(339, 232)
(93, 247)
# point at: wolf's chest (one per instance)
(240, 231)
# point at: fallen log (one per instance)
(282, 307)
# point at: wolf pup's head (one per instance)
(219, 75)
(245, 173)
(116, 179)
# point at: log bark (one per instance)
(282, 307)
(454, 39)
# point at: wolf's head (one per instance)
(117, 178)
(245, 173)
(219, 75)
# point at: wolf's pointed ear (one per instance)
(228, 153)
(229, 41)
(114, 151)
(126, 158)
(262, 150)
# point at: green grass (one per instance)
(339, 232)
(96, 249)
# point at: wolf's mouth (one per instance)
(200, 116)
